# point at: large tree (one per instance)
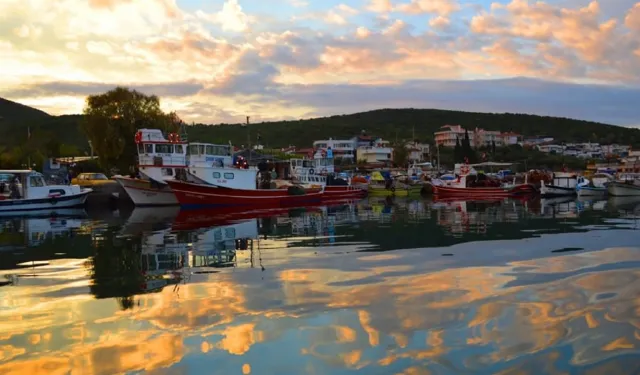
(112, 119)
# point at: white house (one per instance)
(378, 151)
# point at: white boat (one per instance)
(214, 164)
(161, 159)
(597, 186)
(624, 189)
(563, 184)
(29, 191)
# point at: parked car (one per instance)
(91, 180)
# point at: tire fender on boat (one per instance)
(311, 171)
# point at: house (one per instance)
(378, 150)
(417, 151)
(341, 148)
(448, 136)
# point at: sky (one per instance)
(216, 61)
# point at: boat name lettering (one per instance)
(221, 181)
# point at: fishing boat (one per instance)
(597, 186)
(479, 186)
(320, 172)
(382, 184)
(159, 159)
(22, 190)
(162, 159)
(562, 184)
(624, 188)
(191, 195)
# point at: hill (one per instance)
(390, 124)
(400, 124)
(12, 111)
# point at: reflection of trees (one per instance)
(116, 270)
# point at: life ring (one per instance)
(138, 137)
(311, 171)
(464, 169)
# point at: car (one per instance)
(91, 180)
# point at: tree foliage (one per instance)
(400, 155)
(112, 119)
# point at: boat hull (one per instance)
(556, 191)
(382, 191)
(343, 192)
(146, 193)
(482, 193)
(65, 201)
(199, 196)
(588, 191)
(621, 189)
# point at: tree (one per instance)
(467, 151)
(400, 155)
(112, 119)
(457, 152)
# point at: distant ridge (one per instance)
(391, 124)
(14, 112)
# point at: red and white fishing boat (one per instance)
(162, 159)
(471, 187)
(191, 195)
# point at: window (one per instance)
(193, 149)
(228, 176)
(57, 191)
(201, 149)
(216, 174)
(36, 181)
(164, 149)
(178, 149)
(140, 148)
(148, 148)
(167, 172)
(210, 150)
(98, 176)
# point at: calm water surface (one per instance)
(375, 287)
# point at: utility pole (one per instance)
(249, 139)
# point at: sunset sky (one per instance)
(219, 60)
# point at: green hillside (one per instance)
(16, 112)
(400, 124)
(387, 123)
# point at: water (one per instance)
(377, 287)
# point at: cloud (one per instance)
(173, 89)
(441, 7)
(230, 17)
(250, 59)
(379, 6)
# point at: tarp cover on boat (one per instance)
(380, 176)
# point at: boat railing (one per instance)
(156, 160)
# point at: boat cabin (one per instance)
(311, 171)
(159, 157)
(27, 184)
(207, 154)
(564, 180)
